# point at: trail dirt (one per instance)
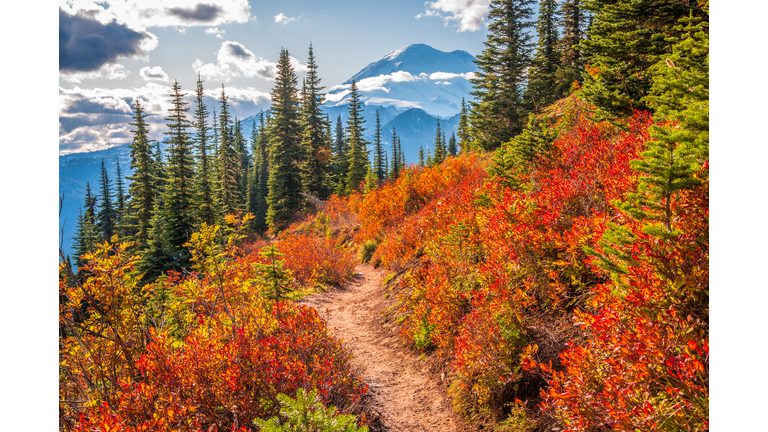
(405, 394)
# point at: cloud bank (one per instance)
(468, 14)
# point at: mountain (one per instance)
(415, 76)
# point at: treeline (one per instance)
(211, 169)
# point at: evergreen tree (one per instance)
(228, 162)
(370, 179)
(204, 202)
(119, 198)
(624, 40)
(252, 191)
(316, 168)
(261, 165)
(394, 172)
(542, 87)
(106, 217)
(340, 157)
(142, 182)
(159, 173)
(440, 151)
(87, 233)
(498, 113)
(358, 157)
(464, 136)
(379, 170)
(572, 64)
(421, 156)
(179, 194)
(244, 158)
(678, 149)
(452, 145)
(400, 153)
(285, 150)
(158, 255)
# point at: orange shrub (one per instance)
(314, 259)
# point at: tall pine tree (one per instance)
(340, 157)
(464, 129)
(379, 170)
(498, 113)
(394, 172)
(542, 87)
(204, 200)
(142, 182)
(316, 167)
(106, 218)
(285, 151)
(358, 157)
(229, 162)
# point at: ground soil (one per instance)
(407, 389)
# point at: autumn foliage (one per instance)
(206, 351)
(551, 301)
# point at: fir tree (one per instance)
(542, 87)
(179, 195)
(498, 113)
(106, 217)
(400, 153)
(395, 166)
(228, 162)
(87, 233)
(358, 157)
(379, 170)
(340, 157)
(252, 192)
(572, 64)
(261, 165)
(241, 175)
(285, 150)
(119, 197)
(204, 203)
(624, 40)
(464, 136)
(421, 156)
(440, 151)
(452, 145)
(370, 179)
(316, 168)
(142, 182)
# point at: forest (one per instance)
(553, 254)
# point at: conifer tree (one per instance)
(379, 170)
(624, 40)
(498, 114)
(440, 152)
(159, 173)
(119, 196)
(317, 171)
(678, 150)
(158, 255)
(394, 172)
(400, 153)
(542, 87)
(285, 150)
(358, 157)
(340, 157)
(452, 145)
(252, 192)
(464, 136)
(179, 194)
(421, 156)
(243, 157)
(228, 162)
(573, 22)
(370, 179)
(204, 198)
(87, 233)
(142, 183)
(106, 218)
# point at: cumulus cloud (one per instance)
(240, 94)
(234, 59)
(87, 45)
(377, 82)
(282, 19)
(440, 76)
(215, 31)
(142, 14)
(468, 14)
(155, 73)
(109, 71)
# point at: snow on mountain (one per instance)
(415, 76)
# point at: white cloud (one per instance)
(377, 82)
(182, 30)
(215, 31)
(240, 94)
(108, 71)
(234, 59)
(470, 14)
(439, 76)
(284, 20)
(142, 14)
(335, 97)
(155, 73)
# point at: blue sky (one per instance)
(112, 51)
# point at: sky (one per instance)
(113, 51)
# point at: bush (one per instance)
(366, 250)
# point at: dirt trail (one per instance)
(404, 395)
